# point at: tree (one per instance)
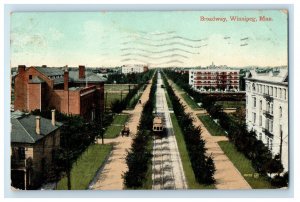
(274, 166)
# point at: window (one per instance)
(280, 93)
(260, 120)
(271, 91)
(275, 92)
(260, 105)
(280, 112)
(30, 77)
(271, 125)
(271, 108)
(253, 87)
(267, 124)
(268, 106)
(254, 101)
(271, 144)
(21, 151)
(254, 117)
(284, 94)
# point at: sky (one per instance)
(161, 38)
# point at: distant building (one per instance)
(267, 109)
(215, 79)
(128, 69)
(34, 141)
(77, 92)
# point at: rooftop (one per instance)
(278, 75)
(23, 128)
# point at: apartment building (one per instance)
(216, 79)
(267, 109)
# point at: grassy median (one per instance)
(185, 159)
(85, 168)
(213, 128)
(244, 166)
(117, 125)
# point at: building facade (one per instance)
(214, 79)
(70, 92)
(128, 69)
(34, 141)
(267, 109)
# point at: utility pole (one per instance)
(105, 101)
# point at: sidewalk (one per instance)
(111, 176)
(227, 176)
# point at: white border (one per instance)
(208, 193)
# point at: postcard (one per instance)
(149, 100)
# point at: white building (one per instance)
(128, 69)
(267, 109)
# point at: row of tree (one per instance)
(141, 79)
(202, 164)
(139, 157)
(245, 141)
(132, 78)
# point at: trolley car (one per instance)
(158, 125)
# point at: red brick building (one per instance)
(71, 92)
(214, 79)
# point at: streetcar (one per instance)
(159, 125)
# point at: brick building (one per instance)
(76, 92)
(214, 79)
(34, 141)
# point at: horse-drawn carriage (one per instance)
(125, 131)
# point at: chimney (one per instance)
(38, 125)
(81, 71)
(66, 80)
(53, 117)
(21, 69)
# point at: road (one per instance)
(110, 176)
(167, 170)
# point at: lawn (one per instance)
(244, 166)
(190, 101)
(112, 96)
(185, 159)
(213, 128)
(231, 104)
(84, 170)
(170, 105)
(118, 87)
(117, 125)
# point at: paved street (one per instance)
(167, 170)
